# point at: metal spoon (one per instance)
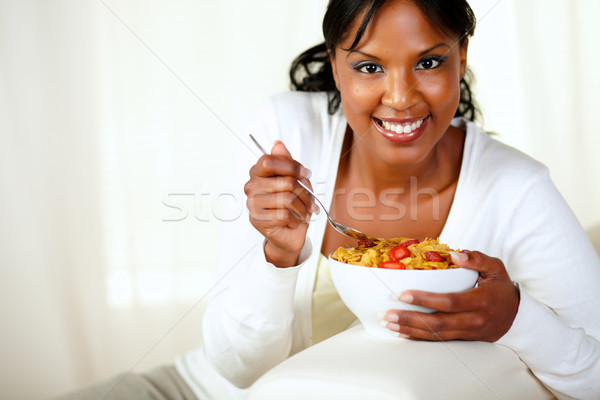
(343, 229)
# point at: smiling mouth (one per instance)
(400, 128)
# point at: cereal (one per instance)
(398, 253)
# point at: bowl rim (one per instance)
(402, 270)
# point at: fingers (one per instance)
(483, 313)
(276, 184)
(279, 163)
(435, 326)
(444, 302)
(488, 267)
(278, 206)
(427, 333)
(273, 185)
(264, 194)
(278, 218)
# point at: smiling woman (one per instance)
(117, 125)
(397, 69)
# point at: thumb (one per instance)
(468, 260)
(279, 149)
(459, 259)
(490, 267)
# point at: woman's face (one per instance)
(400, 86)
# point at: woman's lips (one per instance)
(401, 132)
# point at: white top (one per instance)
(329, 314)
(505, 206)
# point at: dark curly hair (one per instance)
(311, 71)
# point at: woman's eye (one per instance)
(367, 67)
(431, 62)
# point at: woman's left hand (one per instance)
(484, 313)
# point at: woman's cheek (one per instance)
(367, 96)
(444, 93)
(356, 99)
(357, 93)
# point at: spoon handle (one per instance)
(258, 145)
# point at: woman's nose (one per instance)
(401, 91)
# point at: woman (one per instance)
(380, 119)
(399, 66)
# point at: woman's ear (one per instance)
(334, 68)
(463, 57)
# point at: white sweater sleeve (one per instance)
(247, 327)
(247, 324)
(557, 328)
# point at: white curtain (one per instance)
(116, 123)
(539, 85)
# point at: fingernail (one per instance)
(406, 298)
(315, 209)
(393, 327)
(391, 317)
(460, 257)
(380, 314)
(401, 335)
(305, 172)
(383, 324)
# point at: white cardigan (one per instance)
(505, 206)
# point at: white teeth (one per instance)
(399, 128)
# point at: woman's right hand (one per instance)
(279, 207)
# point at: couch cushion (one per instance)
(353, 365)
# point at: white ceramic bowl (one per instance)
(369, 291)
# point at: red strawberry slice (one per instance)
(392, 265)
(409, 242)
(434, 256)
(399, 252)
(365, 243)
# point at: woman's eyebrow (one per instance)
(349, 52)
(433, 48)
